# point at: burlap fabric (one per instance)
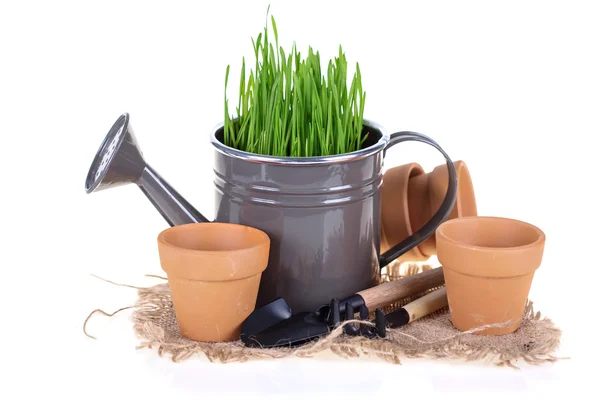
(434, 336)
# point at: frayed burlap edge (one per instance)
(154, 305)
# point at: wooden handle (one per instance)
(427, 304)
(389, 292)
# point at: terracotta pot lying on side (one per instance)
(396, 221)
(410, 197)
(214, 271)
(488, 265)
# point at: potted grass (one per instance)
(298, 160)
(288, 107)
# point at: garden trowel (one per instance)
(274, 325)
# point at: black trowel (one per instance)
(274, 325)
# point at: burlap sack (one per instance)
(432, 337)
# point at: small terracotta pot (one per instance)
(410, 197)
(214, 271)
(488, 265)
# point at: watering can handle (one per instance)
(441, 214)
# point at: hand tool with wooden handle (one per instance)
(419, 308)
(273, 325)
(389, 292)
(412, 311)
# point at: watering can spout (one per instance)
(119, 161)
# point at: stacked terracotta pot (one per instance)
(410, 197)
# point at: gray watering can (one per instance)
(322, 214)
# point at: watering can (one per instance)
(322, 214)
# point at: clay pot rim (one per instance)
(461, 220)
(195, 226)
(466, 202)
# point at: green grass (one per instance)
(288, 107)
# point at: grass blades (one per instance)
(289, 107)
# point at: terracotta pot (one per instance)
(488, 265)
(214, 271)
(410, 197)
(428, 190)
(397, 210)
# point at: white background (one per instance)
(512, 88)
